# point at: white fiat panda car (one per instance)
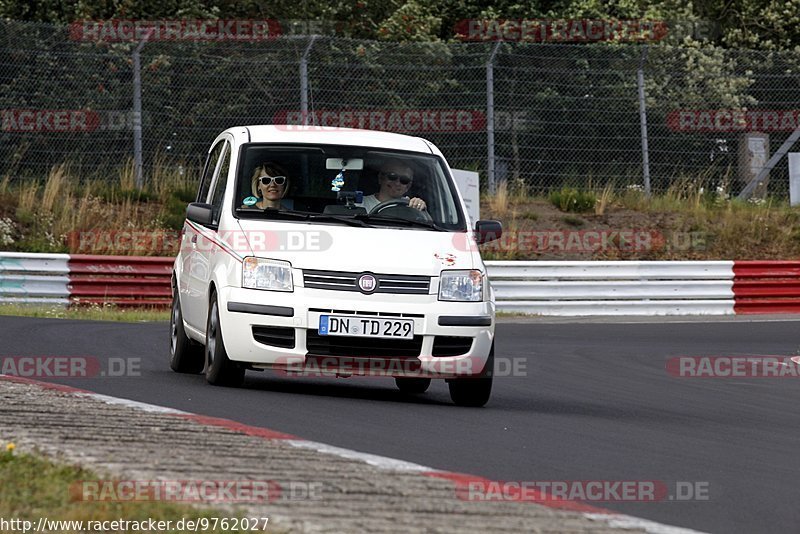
(333, 252)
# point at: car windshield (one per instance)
(335, 184)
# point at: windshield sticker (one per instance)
(250, 201)
(446, 259)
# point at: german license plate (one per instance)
(349, 325)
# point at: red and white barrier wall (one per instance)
(536, 287)
(69, 279)
(766, 286)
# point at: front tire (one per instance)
(474, 391)
(220, 371)
(186, 356)
(413, 385)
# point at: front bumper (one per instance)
(301, 309)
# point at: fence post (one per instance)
(137, 112)
(490, 164)
(643, 122)
(304, 80)
(782, 151)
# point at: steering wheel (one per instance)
(401, 202)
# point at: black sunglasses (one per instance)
(266, 180)
(392, 176)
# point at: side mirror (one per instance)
(487, 231)
(200, 213)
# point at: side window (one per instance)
(218, 195)
(208, 171)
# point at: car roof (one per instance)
(278, 133)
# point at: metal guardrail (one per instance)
(532, 287)
(64, 279)
(34, 278)
(613, 287)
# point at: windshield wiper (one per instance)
(361, 220)
(276, 214)
(340, 218)
(305, 216)
(394, 220)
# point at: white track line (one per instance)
(142, 406)
(381, 462)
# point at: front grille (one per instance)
(363, 347)
(331, 311)
(387, 283)
(275, 336)
(451, 345)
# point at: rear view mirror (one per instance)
(487, 231)
(352, 164)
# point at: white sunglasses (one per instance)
(266, 180)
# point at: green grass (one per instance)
(115, 195)
(32, 486)
(39, 215)
(90, 313)
(569, 199)
(43, 212)
(528, 215)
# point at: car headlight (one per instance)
(271, 275)
(461, 286)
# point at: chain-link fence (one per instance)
(541, 116)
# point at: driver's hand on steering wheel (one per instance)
(417, 203)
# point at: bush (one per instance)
(175, 207)
(569, 199)
(571, 220)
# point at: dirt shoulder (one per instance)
(535, 229)
(684, 223)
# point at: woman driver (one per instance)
(269, 184)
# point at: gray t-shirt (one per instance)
(369, 202)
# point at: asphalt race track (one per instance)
(595, 403)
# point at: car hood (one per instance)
(356, 249)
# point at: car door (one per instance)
(197, 272)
